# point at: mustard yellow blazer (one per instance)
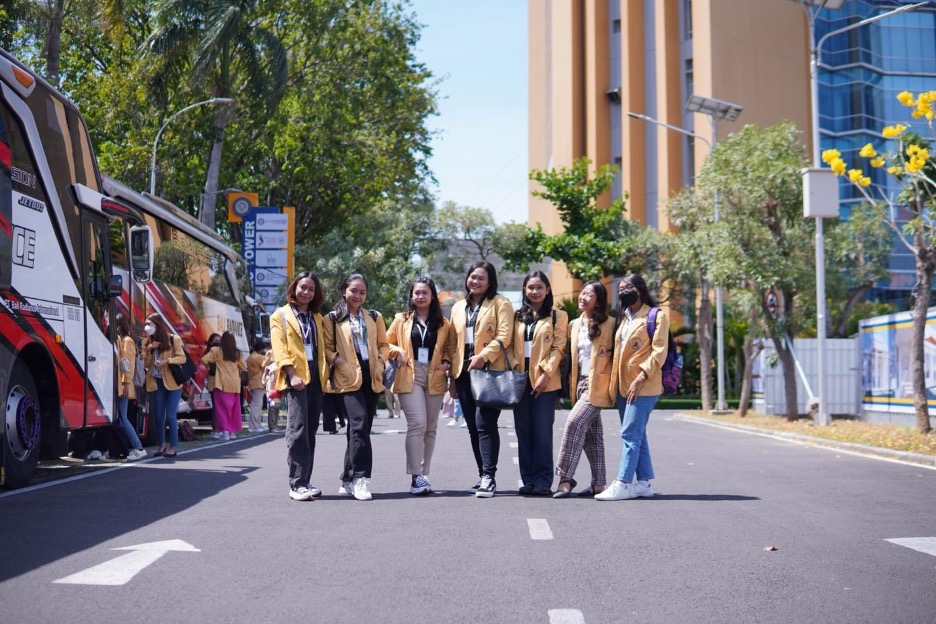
(288, 347)
(227, 373)
(599, 367)
(255, 371)
(547, 348)
(340, 341)
(176, 355)
(634, 352)
(127, 351)
(399, 337)
(495, 320)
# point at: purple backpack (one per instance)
(672, 366)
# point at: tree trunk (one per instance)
(854, 297)
(750, 351)
(924, 276)
(210, 197)
(789, 377)
(53, 43)
(704, 336)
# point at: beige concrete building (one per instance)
(593, 61)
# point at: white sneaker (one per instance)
(136, 455)
(362, 489)
(233, 437)
(217, 435)
(346, 488)
(301, 493)
(315, 491)
(453, 422)
(487, 488)
(420, 485)
(225, 435)
(618, 490)
(643, 491)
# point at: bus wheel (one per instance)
(21, 427)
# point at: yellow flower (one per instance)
(895, 170)
(915, 165)
(867, 151)
(877, 162)
(829, 155)
(854, 175)
(906, 98)
(838, 166)
(864, 181)
(892, 131)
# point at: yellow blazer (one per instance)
(633, 353)
(494, 321)
(400, 341)
(599, 367)
(176, 355)
(127, 351)
(340, 341)
(227, 373)
(289, 348)
(255, 371)
(547, 348)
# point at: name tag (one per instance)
(422, 355)
(469, 335)
(527, 346)
(309, 355)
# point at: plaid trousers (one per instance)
(582, 431)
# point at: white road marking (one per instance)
(922, 544)
(519, 482)
(119, 571)
(516, 461)
(539, 529)
(514, 444)
(511, 433)
(566, 616)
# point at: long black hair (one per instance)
(638, 282)
(316, 304)
(526, 312)
(492, 278)
(435, 308)
(600, 314)
(341, 306)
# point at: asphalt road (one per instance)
(695, 553)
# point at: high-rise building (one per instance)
(593, 61)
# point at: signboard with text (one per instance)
(267, 238)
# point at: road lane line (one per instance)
(539, 529)
(516, 461)
(514, 444)
(565, 616)
(922, 544)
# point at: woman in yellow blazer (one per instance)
(591, 347)
(422, 341)
(356, 348)
(160, 349)
(636, 384)
(481, 320)
(539, 344)
(228, 363)
(297, 333)
(255, 387)
(127, 350)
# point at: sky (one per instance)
(478, 51)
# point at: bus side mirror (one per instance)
(141, 254)
(116, 286)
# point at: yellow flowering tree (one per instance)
(911, 165)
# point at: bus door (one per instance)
(100, 327)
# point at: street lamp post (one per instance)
(812, 8)
(217, 100)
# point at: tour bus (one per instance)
(73, 254)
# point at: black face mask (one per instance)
(628, 297)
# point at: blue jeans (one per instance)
(635, 453)
(534, 418)
(164, 406)
(129, 432)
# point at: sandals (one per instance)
(588, 492)
(564, 493)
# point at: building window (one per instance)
(616, 26)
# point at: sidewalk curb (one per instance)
(860, 449)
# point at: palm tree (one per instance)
(221, 44)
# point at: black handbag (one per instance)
(389, 373)
(183, 372)
(498, 389)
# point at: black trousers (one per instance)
(482, 426)
(359, 409)
(302, 422)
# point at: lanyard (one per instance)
(305, 326)
(530, 330)
(422, 332)
(472, 315)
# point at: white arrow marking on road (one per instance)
(565, 616)
(539, 529)
(119, 571)
(922, 544)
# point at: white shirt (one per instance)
(584, 350)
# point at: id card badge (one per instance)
(527, 345)
(309, 355)
(469, 335)
(422, 355)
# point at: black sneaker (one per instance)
(487, 488)
(474, 488)
(525, 490)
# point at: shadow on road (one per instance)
(705, 497)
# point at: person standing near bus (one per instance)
(127, 350)
(255, 387)
(214, 340)
(422, 341)
(539, 341)
(296, 335)
(356, 348)
(160, 349)
(228, 363)
(480, 320)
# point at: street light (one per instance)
(218, 100)
(716, 110)
(812, 8)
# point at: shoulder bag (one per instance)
(498, 389)
(182, 372)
